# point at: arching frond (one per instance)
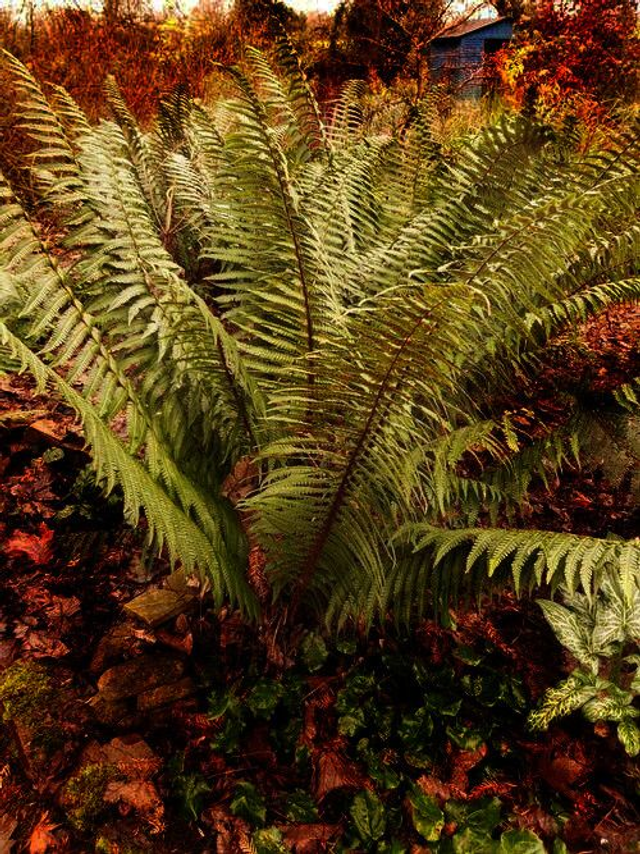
(346, 307)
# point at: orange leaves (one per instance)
(573, 58)
(42, 839)
(35, 547)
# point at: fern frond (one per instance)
(54, 156)
(528, 557)
(168, 524)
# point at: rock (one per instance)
(109, 713)
(163, 695)
(121, 773)
(156, 607)
(139, 675)
(53, 433)
(113, 646)
(130, 755)
(183, 582)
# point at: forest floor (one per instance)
(127, 730)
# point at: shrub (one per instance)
(574, 58)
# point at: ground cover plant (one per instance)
(302, 349)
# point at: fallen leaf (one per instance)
(308, 838)
(130, 754)
(335, 771)
(8, 825)
(42, 645)
(139, 795)
(37, 547)
(42, 839)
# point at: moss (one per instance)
(29, 700)
(25, 691)
(104, 845)
(84, 795)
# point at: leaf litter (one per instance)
(411, 740)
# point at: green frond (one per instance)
(343, 306)
(169, 524)
(527, 557)
(54, 157)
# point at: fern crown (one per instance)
(338, 312)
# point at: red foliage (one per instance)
(574, 56)
(36, 547)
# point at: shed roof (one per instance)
(459, 30)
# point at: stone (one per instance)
(112, 646)
(139, 675)
(183, 582)
(163, 695)
(155, 607)
(129, 754)
(109, 713)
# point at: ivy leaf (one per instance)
(442, 703)
(520, 842)
(227, 740)
(314, 651)
(367, 812)
(393, 847)
(301, 807)
(264, 698)
(469, 841)
(380, 772)
(220, 701)
(415, 731)
(481, 818)
(467, 655)
(249, 804)
(427, 817)
(350, 723)
(191, 789)
(269, 841)
(347, 646)
(465, 738)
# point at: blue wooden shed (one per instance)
(458, 55)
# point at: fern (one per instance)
(346, 308)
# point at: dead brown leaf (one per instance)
(141, 796)
(334, 770)
(310, 838)
(8, 825)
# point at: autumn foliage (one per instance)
(573, 57)
(150, 58)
